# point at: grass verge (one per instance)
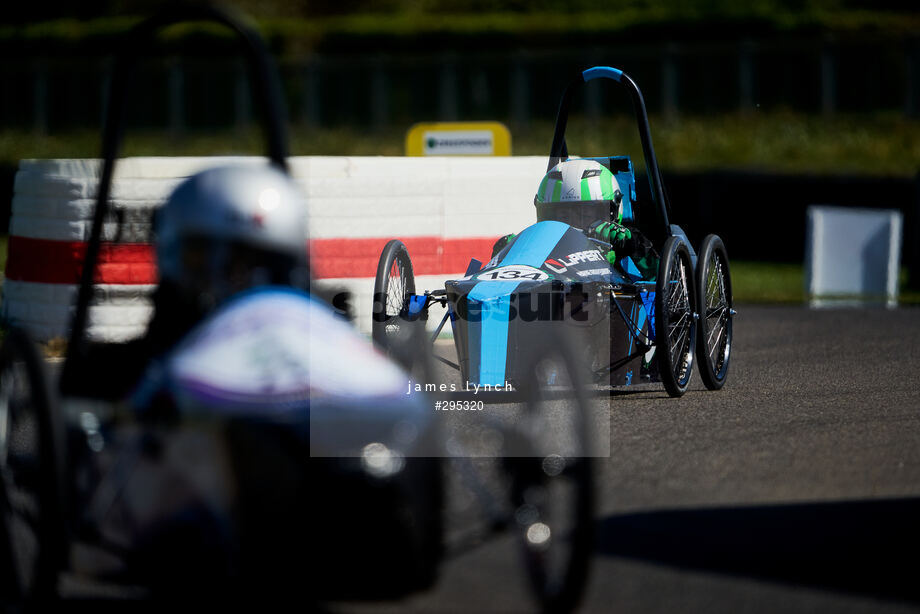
(877, 144)
(771, 282)
(767, 282)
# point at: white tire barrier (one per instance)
(446, 210)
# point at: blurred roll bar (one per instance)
(267, 93)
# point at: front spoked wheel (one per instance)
(32, 518)
(675, 317)
(394, 285)
(714, 288)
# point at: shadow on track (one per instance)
(864, 546)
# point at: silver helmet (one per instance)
(229, 228)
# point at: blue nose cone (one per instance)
(489, 304)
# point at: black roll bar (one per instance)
(559, 151)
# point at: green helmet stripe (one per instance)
(585, 189)
(606, 186)
(581, 179)
(541, 191)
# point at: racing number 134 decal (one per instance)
(513, 272)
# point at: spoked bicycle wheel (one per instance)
(551, 473)
(394, 284)
(714, 288)
(675, 317)
(33, 537)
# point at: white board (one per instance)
(852, 256)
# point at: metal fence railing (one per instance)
(49, 94)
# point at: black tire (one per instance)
(33, 540)
(395, 282)
(675, 328)
(714, 289)
(552, 494)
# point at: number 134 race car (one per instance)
(635, 321)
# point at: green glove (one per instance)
(618, 234)
(611, 257)
(611, 232)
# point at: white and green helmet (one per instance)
(575, 180)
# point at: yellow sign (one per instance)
(459, 139)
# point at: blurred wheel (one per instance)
(32, 540)
(551, 477)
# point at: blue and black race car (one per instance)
(633, 326)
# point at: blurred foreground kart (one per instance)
(633, 328)
(204, 481)
(272, 454)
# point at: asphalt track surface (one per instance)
(796, 488)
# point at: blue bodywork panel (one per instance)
(533, 246)
(490, 302)
(548, 259)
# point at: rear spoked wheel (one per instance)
(394, 285)
(32, 519)
(675, 317)
(552, 492)
(714, 288)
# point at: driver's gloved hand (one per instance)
(610, 232)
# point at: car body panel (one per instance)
(551, 274)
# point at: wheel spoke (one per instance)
(677, 348)
(716, 321)
(712, 281)
(682, 329)
(716, 339)
(715, 329)
(396, 288)
(679, 309)
(714, 346)
(721, 278)
(680, 322)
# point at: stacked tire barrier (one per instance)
(446, 210)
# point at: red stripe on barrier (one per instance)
(60, 262)
(457, 253)
(333, 258)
